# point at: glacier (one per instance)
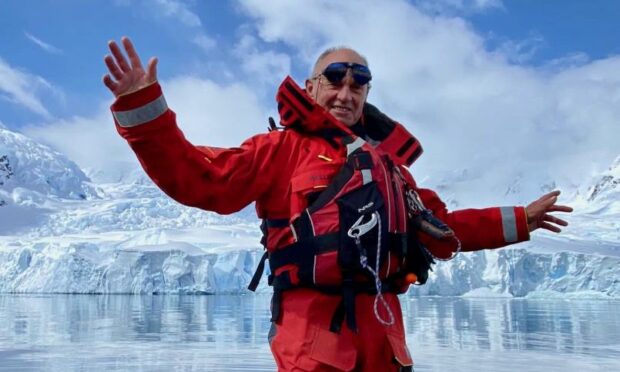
(67, 230)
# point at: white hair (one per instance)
(331, 50)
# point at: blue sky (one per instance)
(449, 69)
(77, 32)
(563, 27)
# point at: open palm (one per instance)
(538, 213)
(126, 77)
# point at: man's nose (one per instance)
(344, 93)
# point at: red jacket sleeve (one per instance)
(220, 180)
(475, 228)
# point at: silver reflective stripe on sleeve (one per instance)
(366, 176)
(509, 224)
(354, 145)
(141, 115)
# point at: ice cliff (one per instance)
(61, 232)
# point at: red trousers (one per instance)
(302, 341)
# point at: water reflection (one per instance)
(227, 333)
(502, 335)
(143, 333)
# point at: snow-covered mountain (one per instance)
(31, 177)
(64, 232)
(6, 172)
(27, 164)
(605, 189)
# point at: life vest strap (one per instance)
(348, 300)
(302, 254)
(258, 273)
(275, 223)
(348, 291)
(303, 251)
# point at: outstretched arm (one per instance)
(492, 227)
(220, 180)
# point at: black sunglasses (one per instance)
(335, 72)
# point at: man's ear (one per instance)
(310, 88)
(367, 93)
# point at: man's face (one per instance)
(345, 100)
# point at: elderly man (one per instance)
(345, 226)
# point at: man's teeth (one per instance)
(341, 108)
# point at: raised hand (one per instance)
(538, 213)
(127, 77)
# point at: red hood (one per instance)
(299, 111)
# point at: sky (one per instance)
(516, 94)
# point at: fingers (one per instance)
(125, 77)
(555, 220)
(113, 67)
(550, 227)
(550, 198)
(554, 193)
(118, 56)
(547, 203)
(538, 213)
(549, 222)
(560, 208)
(152, 70)
(547, 196)
(134, 59)
(107, 80)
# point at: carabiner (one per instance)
(358, 229)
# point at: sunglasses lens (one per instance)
(361, 76)
(335, 72)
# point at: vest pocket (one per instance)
(305, 188)
(363, 227)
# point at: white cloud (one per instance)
(207, 113)
(457, 6)
(521, 51)
(92, 142)
(486, 4)
(24, 89)
(261, 66)
(45, 46)
(216, 115)
(569, 61)
(470, 107)
(177, 10)
(205, 43)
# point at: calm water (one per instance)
(228, 333)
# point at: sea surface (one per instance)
(229, 333)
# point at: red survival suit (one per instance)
(282, 171)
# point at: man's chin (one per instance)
(345, 119)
